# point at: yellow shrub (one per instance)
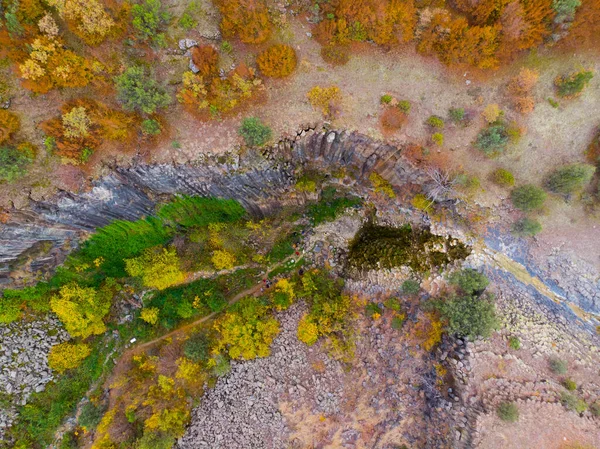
(307, 331)
(150, 315)
(67, 356)
(223, 260)
(382, 185)
(491, 113)
(158, 268)
(81, 310)
(325, 99)
(189, 371)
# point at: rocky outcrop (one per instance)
(24, 348)
(261, 180)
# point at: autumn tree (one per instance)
(50, 65)
(247, 19)
(246, 331)
(213, 97)
(85, 124)
(157, 267)
(65, 356)
(89, 19)
(277, 61)
(520, 90)
(455, 42)
(81, 309)
(9, 124)
(385, 22)
(206, 60)
(585, 29)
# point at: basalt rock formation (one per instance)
(38, 238)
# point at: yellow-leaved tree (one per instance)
(157, 267)
(66, 356)
(81, 309)
(89, 18)
(246, 331)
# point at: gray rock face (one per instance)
(261, 181)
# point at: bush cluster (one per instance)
(277, 61)
(254, 132)
(528, 197)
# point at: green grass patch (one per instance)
(330, 206)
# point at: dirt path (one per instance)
(130, 352)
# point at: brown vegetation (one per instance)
(520, 90)
(277, 61)
(9, 124)
(392, 118)
(206, 59)
(246, 19)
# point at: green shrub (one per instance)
(411, 287)
(187, 22)
(572, 402)
(136, 90)
(553, 102)
(254, 132)
(404, 106)
(558, 366)
(508, 412)
(570, 178)
(514, 343)
(91, 415)
(526, 227)
(13, 163)
(386, 99)
(493, 139)
(148, 18)
(457, 115)
(569, 384)
(435, 122)
(398, 322)
(226, 47)
(189, 211)
(528, 197)
(393, 303)
(573, 84)
(470, 281)
(151, 127)
(197, 347)
(222, 366)
(503, 178)
(565, 8)
(470, 316)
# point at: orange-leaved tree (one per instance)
(247, 19)
(277, 61)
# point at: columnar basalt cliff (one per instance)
(261, 180)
